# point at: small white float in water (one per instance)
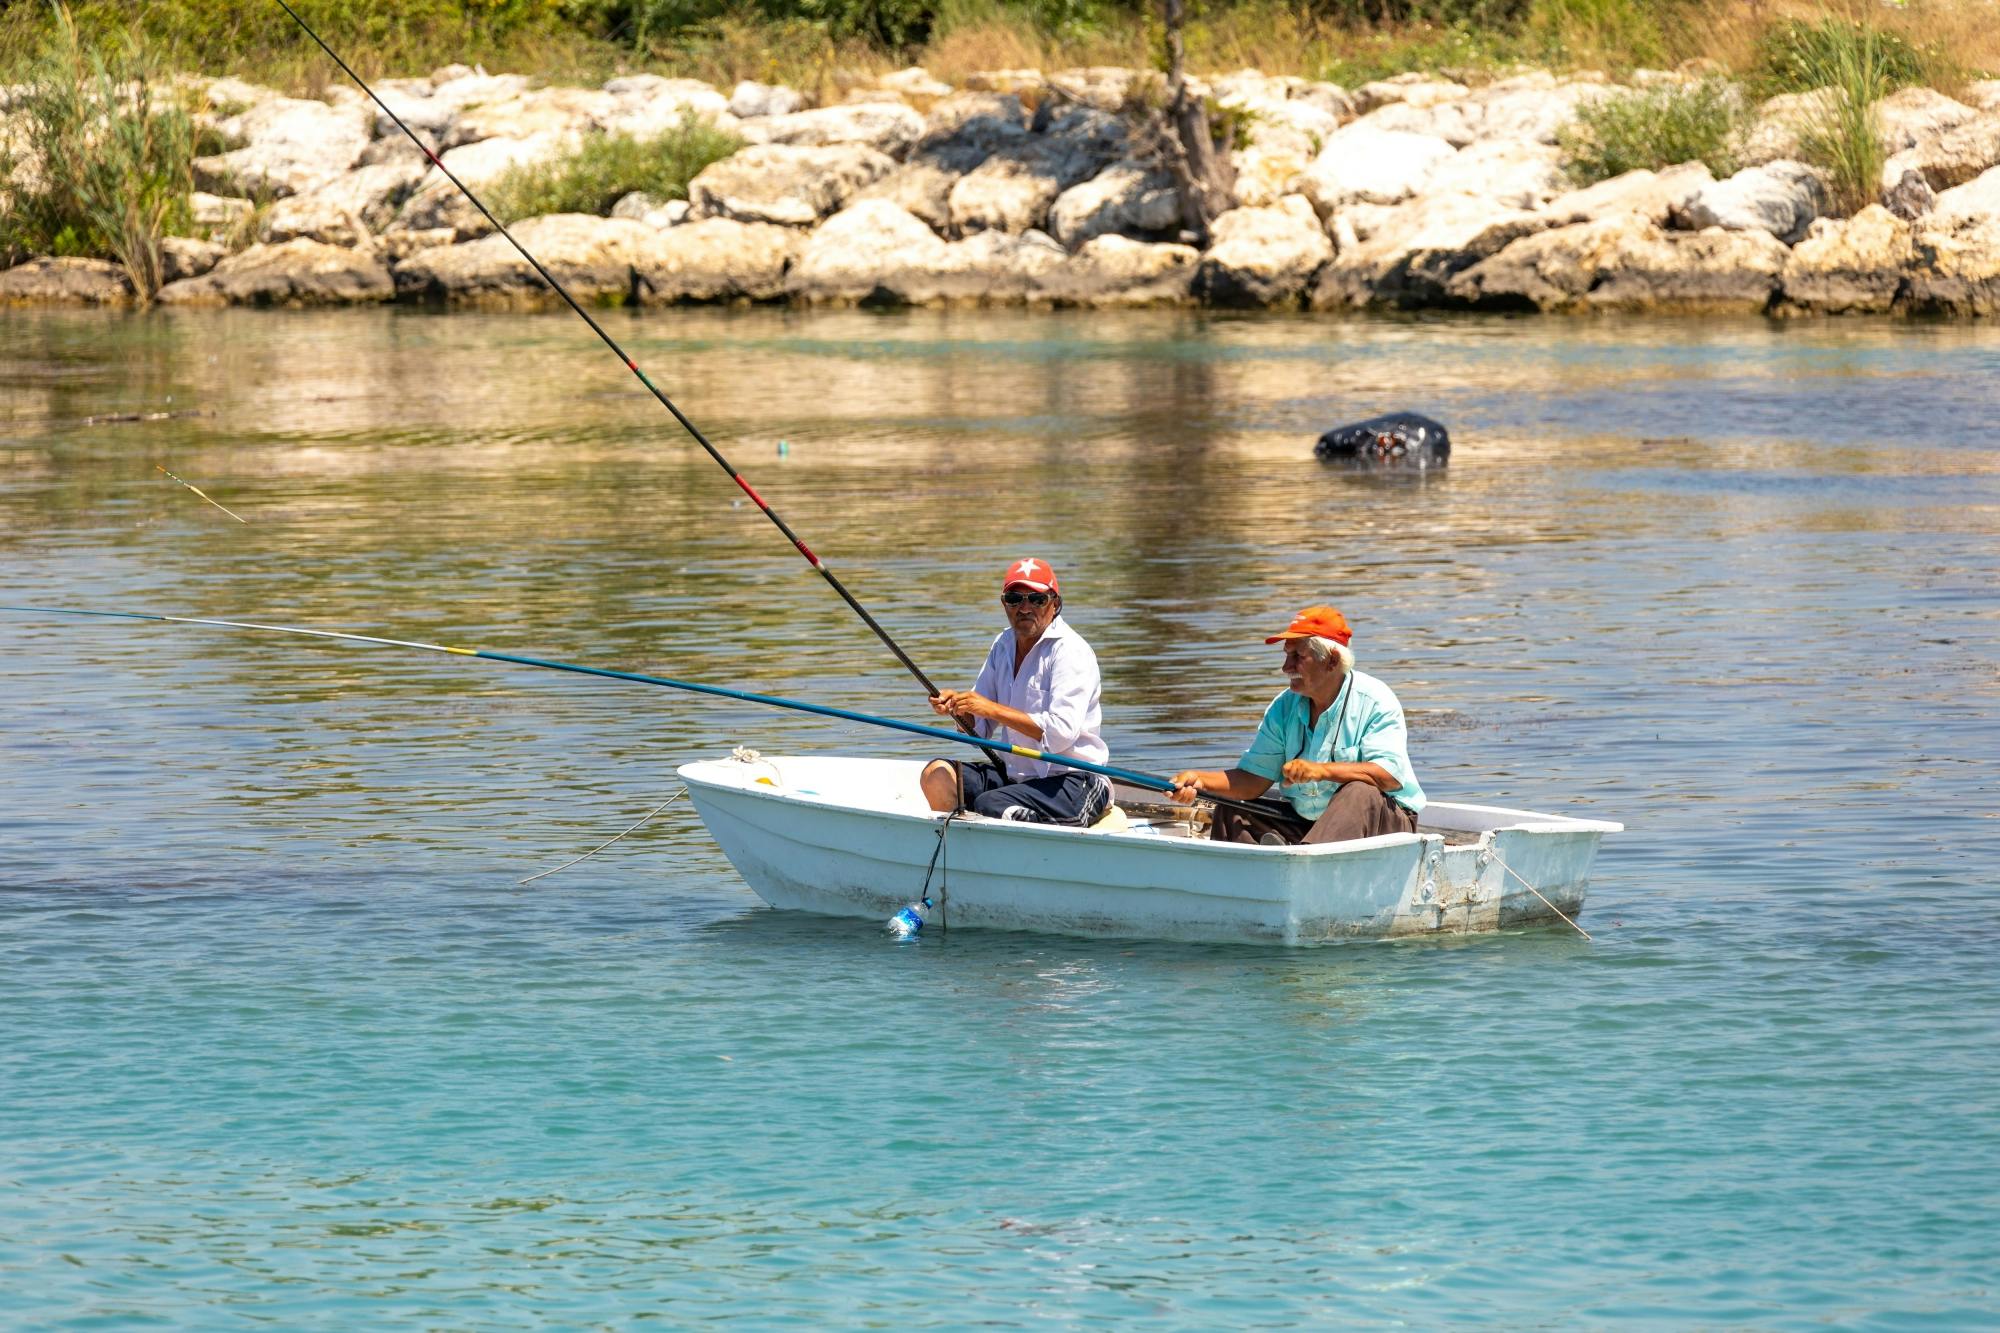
(854, 837)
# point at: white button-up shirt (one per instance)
(1058, 686)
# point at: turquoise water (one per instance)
(283, 1045)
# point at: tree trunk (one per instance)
(1204, 176)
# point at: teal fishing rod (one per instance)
(1146, 780)
(631, 365)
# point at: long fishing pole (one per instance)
(1146, 780)
(630, 364)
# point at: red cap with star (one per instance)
(1031, 573)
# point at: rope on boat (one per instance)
(595, 850)
(1537, 892)
(944, 884)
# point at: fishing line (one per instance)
(1150, 781)
(631, 365)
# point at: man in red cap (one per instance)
(1334, 742)
(1039, 688)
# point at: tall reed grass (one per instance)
(107, 168)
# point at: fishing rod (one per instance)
(1147, 780)
(630, 364)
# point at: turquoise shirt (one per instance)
(1370, 728)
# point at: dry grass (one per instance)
(1291, 37)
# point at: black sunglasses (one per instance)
(1031, 598)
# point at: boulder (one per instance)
(1955, 273)
(647, 105)
(1411, 89)
(861, 254)
(1624, 262)
(592, 257)
(431, 106)
(922, 186)
(751, 99)
(1954, 157)
(393, 247)
(655, 213)
(1655, 196)
(563, 112)
(986, 268)
(1013, 189)
(1127, 198)
(914, 85)
(961, 132)
(1910, 116)
(1263, 256)
(436, 202)
(347, 209)
(65, 282)
(1518, 175)
(187, 257)
(1779, 128)
(291, 145)
(1847, 265)
(886, 127)
(716, 259)
(1409, 257)
(1118, 271)
(1280, 136)
(1523, 110)
(397, 149)
(1972, 206)
(974, 121)
(1909, 198)
(1983, 94)
(1100, 87)
(214, 210)
(1457, 123)
(785, 184)
(411, 102)
(1779, 197)
(296, 273)
(1364, 164)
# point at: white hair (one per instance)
(1322, 648)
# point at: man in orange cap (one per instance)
(1334, 742)
(1039, 688)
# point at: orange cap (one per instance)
(1317, 621)
(1030, 573)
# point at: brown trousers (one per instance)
(1358, 810)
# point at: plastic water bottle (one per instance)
(907, 923)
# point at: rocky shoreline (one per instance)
(1023, 188)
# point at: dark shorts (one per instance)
(1064, 797)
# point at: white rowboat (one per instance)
(854, 837)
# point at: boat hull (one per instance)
(852, 837)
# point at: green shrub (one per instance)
(1653, 128)
(608, 167)
(109, 171)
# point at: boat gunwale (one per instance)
(1547, 823)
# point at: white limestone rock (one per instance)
(1779, 197)
(786, 184)
(1263, 256)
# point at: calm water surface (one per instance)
(282, 1044)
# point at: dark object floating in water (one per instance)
(1396, 439)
